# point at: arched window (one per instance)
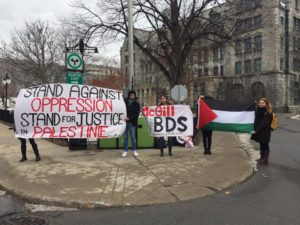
(238, 93)
(258, 90)
(296, 93)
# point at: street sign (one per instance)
(74, 61)
(74, 78)
(179, 93)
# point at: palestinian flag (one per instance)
(226, 116)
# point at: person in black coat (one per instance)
(262, 128)
(162, 141)
(206, 135)
(133, 112)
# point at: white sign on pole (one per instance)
(179, 93)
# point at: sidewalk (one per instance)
(99, 178)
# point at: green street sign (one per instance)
(74, 78)
(74, 61)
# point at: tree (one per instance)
(173, 27)
(34, 54)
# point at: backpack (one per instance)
(274, 123)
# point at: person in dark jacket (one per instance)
(133, 112)
(262, 128)
(161, 141)
(206, 135)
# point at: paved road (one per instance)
(270, 197)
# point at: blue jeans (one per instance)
(131, 130)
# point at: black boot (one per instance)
(207, 152)
(161, 152)
(265, 159)
(36, 152)
(23, 150)
(170, 152)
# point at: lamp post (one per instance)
(6, 82)
(75, 69)
(82, 47)
(285, 7)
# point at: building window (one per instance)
(215, 53)
(216, 71)
(258, 42)
(220, 92)
(257, 21)
(296, 93)
(282, 20)
(222, 51)
(281, 64)
(247, 66)
(296, 65)
(221, 70)
(202, 89)
(238, 93)
(296, 44)
(257, 65)
(247, 45)
(205, 54)
(296, 23)
(258, 90)
(238, 67)
(199, 72)
(297, 4)
(248, 24)
(281, 42)
(238, 46)
(239, 26)
(199, 57)
(205, 71)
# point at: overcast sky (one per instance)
(15, 12)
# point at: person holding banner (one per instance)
(162, 141)
(133, 112)
(34, 147)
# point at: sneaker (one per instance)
(135, 153)
(124, 154)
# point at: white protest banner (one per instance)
(69, 111)
(169, 120)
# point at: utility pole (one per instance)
(130, 45)
(287, 57)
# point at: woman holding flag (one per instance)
(262, 128)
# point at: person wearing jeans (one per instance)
(133, 112)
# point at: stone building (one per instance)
(149, 82)
(261, 60)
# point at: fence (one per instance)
(7, 116)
